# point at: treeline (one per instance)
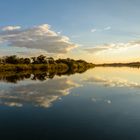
(131, 64)
(42, 62)
(33, 60)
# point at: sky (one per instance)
(98, 31)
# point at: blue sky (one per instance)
(77, 19)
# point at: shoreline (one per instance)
(60, 67)
(131, 64)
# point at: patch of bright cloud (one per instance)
(93, 30)
(10, 28)
(60, 32)
(100, 30)
(107, 28)
(37, 37)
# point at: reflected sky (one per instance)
(112, 82)
(42, 92)
(114, 77)
(35, 92)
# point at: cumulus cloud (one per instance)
(37, 37)
(112, 46)
(22, 52)
(10, 28)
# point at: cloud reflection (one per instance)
(95, 99)
(114, 82)
(38, 94)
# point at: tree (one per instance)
(33, 60)
(50, 60)
(11, 59)
(21, 61)
(41, 59)
(27, 61)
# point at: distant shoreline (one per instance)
(131, 64)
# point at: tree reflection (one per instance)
(14, 77)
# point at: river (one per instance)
(102, 103)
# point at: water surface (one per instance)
(102, 103)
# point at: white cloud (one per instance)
(100, 30)
(10, 28)
(37, 37)
(107, 28)
(60, 32)
(95, 50)
(93, 30)
(112, 46)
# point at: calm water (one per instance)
(100, 104)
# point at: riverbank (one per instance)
(57, 67)
(131, 64)
(14, 63)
